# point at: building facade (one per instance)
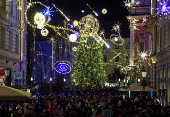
(44, 68)
(116, 57)
(13, 32)
(159, 28)
(140, 40)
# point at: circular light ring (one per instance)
(75, 23)
(120, 40)
(88, 24)
(44, 32)
(39, 18)
(63, 67)
(28, 7)
(104, 11)
(74, 49)
(73, 37)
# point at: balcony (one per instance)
(4, 14)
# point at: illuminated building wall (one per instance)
(140, 40)
(158, 27)
(13, 30)
(112, 60)
(43, 65)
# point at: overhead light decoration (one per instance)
(74, 49)
(44, 32)
(164, 9)
(143, 55)
(116, 39)
(96, 14)
(47, 13)
(132, 3)
(39, 19)
(104, 11)
(63, 67)
(75, 23)
(73, 37)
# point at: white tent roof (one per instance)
(138, 87)
(11, 93)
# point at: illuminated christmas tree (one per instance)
(89, 64)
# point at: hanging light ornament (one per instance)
(74, 49)
(44, 32)
(75, 23)
(104, 11)
(73, 37)
(39, 19)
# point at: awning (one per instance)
(8, 93)
(138, 87)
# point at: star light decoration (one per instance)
(164, 9)
(132, 3)
(88, 24)
(47, 12)
(133, 23)
(116, 37)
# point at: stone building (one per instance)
(140, 40)
(159, 28)
(13, 39)
(116, 57)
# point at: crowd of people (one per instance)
(105, 102)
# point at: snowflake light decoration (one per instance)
(164, 10)
(47, 12)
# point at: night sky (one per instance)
(72, 8)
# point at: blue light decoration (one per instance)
(77, 34)
(47, 12)
(63, 67)
(164, 10)
(71, 26)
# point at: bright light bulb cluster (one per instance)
(132, 3)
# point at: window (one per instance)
(45, 71)
(2, 37)
(44, 47)
(127, 58)
(10, 40)
(105, 58)
(128, 45)
(117, 59)
(39, 57)
(141, 45)
(117, 45)
(45, 59)
(3, 4)
(11, 7)
(17, 44)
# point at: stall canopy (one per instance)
(8, 93)
(138, 87)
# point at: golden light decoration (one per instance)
(74, 49)
(75, 23)
(104, 11)
(73, 37)
(44, 32)
(39, 18)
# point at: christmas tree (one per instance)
(89, 64)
